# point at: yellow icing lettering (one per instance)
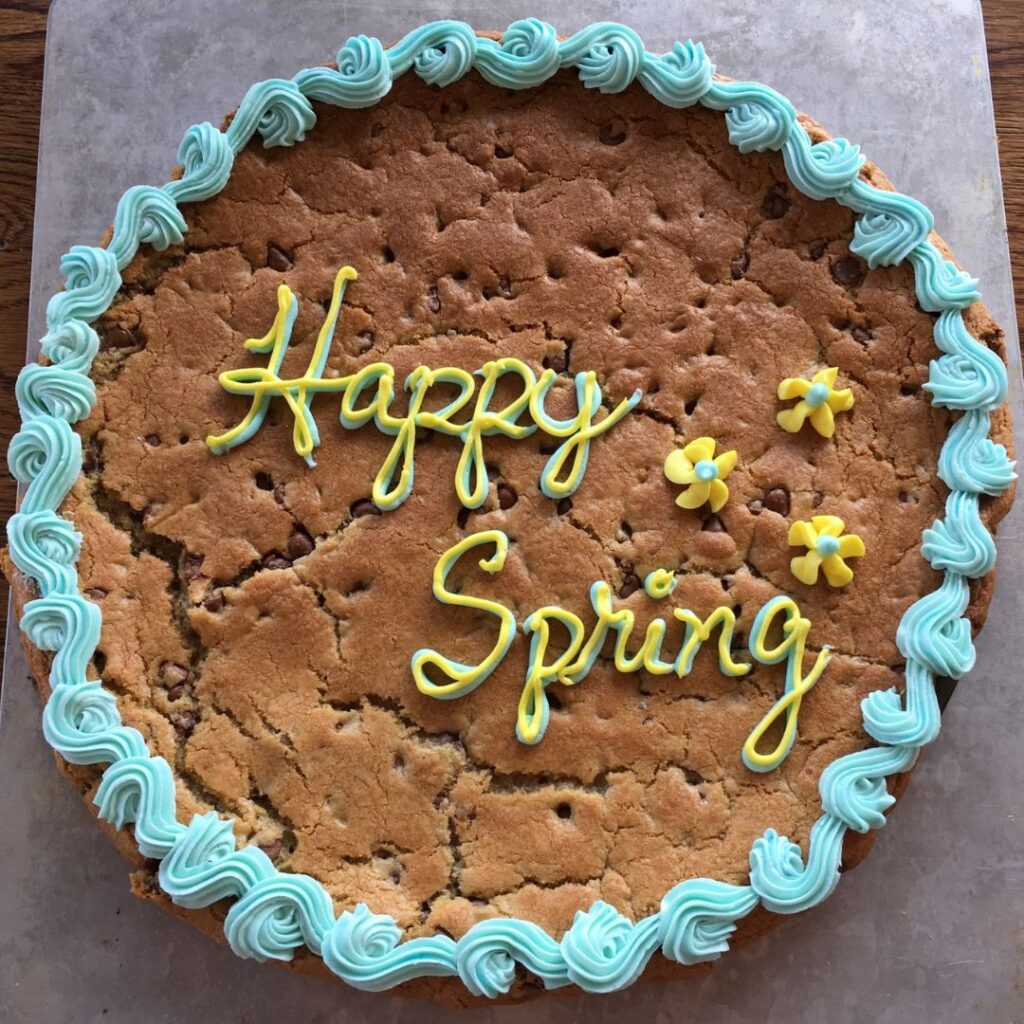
(790, 649)
(393, 482)
(471, 474)
(579, 430)
(699, 631)
(532, 716)
(575, 657)
(462, 678)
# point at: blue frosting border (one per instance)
(274, 912)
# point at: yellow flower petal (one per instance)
(823, 421)
(840, 401)
(837, 572)
(802, 534)
(851, 546)
(725, 463)
(700, 449)
(828, 526)
(805, 568)
(719, 493)
(791, 420)
(695, 495)
(826, 376)
(793, 387)
(678, 468)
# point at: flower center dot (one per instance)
(817, 395)
(706, 470)
(826, 546)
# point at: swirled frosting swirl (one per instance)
(278, 915)
(960, 543)
(45, 547)
(527, 55)
(72, 345)
(971, 461)
(91, 278)
(486, 956)
(365, 950)
(69, 626)
(145, 214)
(886, 720)
(141, 790)
(206, 160)
(607, 55)
(203, 866)
(274, 108)
(678, 78)
(853, 787)
(934, 631)
(440, 53)
(604, 951)
(699, 915)
(54, 391)
(83, 725)
(363, 76)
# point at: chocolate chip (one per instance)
(173, 675)
(175, 692)
(740, 266)
(364, 507)
(300, 544)
(152, 440)
(214, 601)
(278, 259)
(849, 271)
(564, 811)
(612, 134)
(184, 722)
(272, 850)
(777, 500)
(817, 499)
(96, 593)
(120, 336)
(713, 525)
(817, 250)
(279, 493)
(556, 362)
(363, 342)
(505, 288)
(275, 561)
(564, 506)
(433, 299)
(630, 584)
(193, 563)
(506, 496)
(755, 507)
(861, 334)
(776, 204)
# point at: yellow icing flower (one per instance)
(827, 546)
(819, 401)
(697, 466)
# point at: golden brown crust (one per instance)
(602, 232)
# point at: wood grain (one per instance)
(23, 37)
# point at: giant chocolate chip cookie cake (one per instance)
(501, 530)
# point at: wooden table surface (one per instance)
(23, 37)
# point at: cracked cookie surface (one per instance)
(259, 616)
